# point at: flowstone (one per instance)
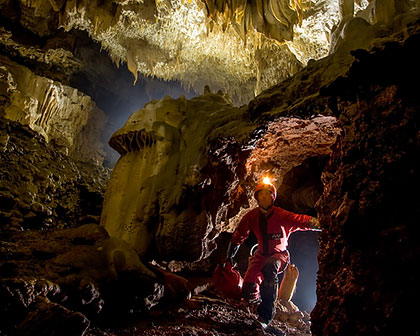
(157, 191)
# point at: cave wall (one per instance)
(369, 209)
(43, 188)
(63, 115)
(64, 85)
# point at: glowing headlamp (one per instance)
(266, 180)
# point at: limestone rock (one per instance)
(121, 257)
(292, 318)
(71, 276)
(156, 186)
(367, 212)
(61, 114)
(48, 189)
(58, 63)
(283, 145)
(171, 39)
(88, 233)
(275, 19)
(50, 317)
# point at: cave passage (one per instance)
(317, 108)
(294, 152)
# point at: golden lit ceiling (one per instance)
(240, 46)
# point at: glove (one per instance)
(315, 225)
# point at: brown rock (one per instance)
(48, 318)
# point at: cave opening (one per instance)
(294, 153)
(299, 192)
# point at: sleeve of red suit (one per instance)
(242, 231)
(295, 221)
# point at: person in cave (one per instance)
(272, 226)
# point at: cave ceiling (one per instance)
(240, 46)
(243, 48)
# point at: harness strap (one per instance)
(263, 229)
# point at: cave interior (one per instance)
(133, 134)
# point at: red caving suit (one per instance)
(272, 231)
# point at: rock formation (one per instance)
(158, 189)
(41, 187)
(183, 41)
(63, 279)
(62, 115)
(341, 138)
(367, 209)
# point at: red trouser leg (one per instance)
(262, 273)
(253, 278)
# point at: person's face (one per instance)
(264, 198)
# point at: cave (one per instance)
(132, 137)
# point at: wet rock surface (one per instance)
(64, 116)
(208, 313)
(368, 212)
(41, 187)
(58, 281)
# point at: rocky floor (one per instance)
(66, 282)
(210, 314)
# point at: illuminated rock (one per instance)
(288, 142)
(154, 194)
(241, 47)
(62, 115)
(180, 40)
(273, 18)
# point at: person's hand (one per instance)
(315, 224)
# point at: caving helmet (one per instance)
(267, 185)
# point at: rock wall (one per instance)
(61, 114)
(161, 193)
(368, 214)
(284, 145)
(368, 211)
(41, 187)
